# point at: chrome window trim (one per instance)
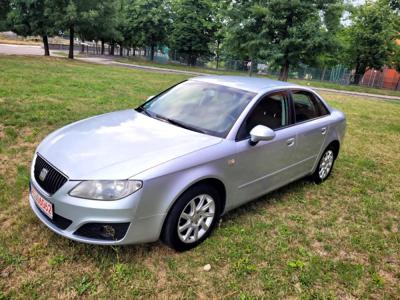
(292, 122)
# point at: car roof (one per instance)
(251, 84)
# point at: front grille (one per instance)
(53, 179)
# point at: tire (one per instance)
(189, 217)
(325, 165)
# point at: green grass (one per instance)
(305, 241)
(313, 83)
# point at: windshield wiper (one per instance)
(171, 121)
(142, 109)
(183, 125)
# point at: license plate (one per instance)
(45, 206)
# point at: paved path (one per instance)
(383, 97)
(108, 61)
(37, 50)
(20, 50)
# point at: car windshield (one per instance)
(200, 106)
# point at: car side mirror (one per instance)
(149, 98)
(261, 133)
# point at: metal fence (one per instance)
(386, 79)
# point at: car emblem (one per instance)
(43, 174)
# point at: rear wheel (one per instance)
(325, 165)
(192, 218)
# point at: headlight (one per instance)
(105, 189)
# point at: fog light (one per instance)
(107, 231)
(103, 231)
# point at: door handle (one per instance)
(290, 142)
(323, 130)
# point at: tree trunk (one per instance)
(323, 74)
(152, 52)
(217, 54)
(71, 42)
(250, 66)
(284, 73)
(46, 45)
(112, 48)
(121, 50)
(360, 70)
(102, 47)
(82, 48)
(133, 51)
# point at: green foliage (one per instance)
(83, 286)
(192, 29)
(283, 32)
(31, 17)
(4, 9)
(242, 39)
(149, 22)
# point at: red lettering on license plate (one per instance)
(45, 206)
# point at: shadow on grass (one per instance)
(104, 256)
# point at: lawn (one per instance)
(336, 240)
(313, 83)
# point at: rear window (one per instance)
(307, 106)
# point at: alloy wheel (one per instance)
(326, 164)
(196, 218)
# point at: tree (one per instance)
(372, 37)
(149, 22)
(296, 32)
(107, 20)
(4, 9)
(284, 33)
(192, 29)
(77, 17)
(242, 40)
(219, 20)
(31, 17)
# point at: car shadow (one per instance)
(129, 252)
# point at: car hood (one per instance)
(118, 145)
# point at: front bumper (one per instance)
(72, 214)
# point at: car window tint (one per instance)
(305, 106)
(271, 111)
(321, 107)
(209, 107)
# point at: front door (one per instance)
(269, 164)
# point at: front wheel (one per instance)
(325, 165)
(192, 218)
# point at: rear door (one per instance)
(311, 123)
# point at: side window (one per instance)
(307, 107)
(271, 111)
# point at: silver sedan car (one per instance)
(170, 168)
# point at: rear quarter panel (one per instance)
(336, 131)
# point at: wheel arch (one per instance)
(215, 182)
(335, 144)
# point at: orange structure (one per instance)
(387, 78)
